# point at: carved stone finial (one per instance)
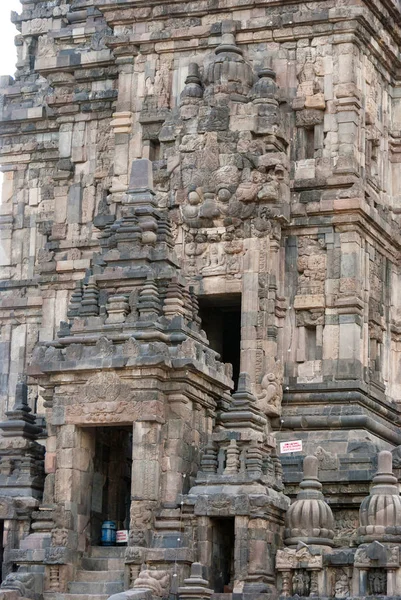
(149, 301)
(193, 89)
(244, 383)
(311, 469)
(265, 88)
(20, 423)
(21, 395)
(243, 412)
(75, 301)
(209, 458)
(228, 73)
(309, 519)
(195, 586)
(90, 299)
(380, 512)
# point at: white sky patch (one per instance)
(8, 54)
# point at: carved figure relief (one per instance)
(341, 588)
(327, 460)
(311, 266)
(301, 583)
(156, 581)
(377, 582)
(21, 582)
(270, 398)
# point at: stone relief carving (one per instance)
(301, 581)
(377, 581)
(156, 581)
(270, 398)
(21, 582)
(346, 524)
(341, 587)
(311, 266)
(327, 460)
(59, 537)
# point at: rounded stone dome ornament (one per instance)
(309, 519)
(380, 512)
(228, 73)
(265, 89)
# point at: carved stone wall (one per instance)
(158, 156)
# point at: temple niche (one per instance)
(199, 263)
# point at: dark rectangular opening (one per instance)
(310, 142)
(310, 343)
(154, 150)
(222, 559)
(221, 320)
(112, 465)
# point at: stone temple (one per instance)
(200, 262)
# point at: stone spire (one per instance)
(21, 456)
(193, 89)
(243, 412)
(380, 512)
(309, 519)
(20, 423)
(228, 74)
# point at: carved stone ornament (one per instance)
(270, 398)
(341, 587)
(380, 512)
(156, 581)
(7, 510)
(309, 519)
(22, 582)
(103, 386)
(134, 555)
(288, 559)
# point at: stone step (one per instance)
(99, 587)
(102, 564)
(114, 575)
(107, 551)
(62, 596)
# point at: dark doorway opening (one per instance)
(222, 563)
(111, 492)
(221, 320)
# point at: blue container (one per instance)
(109, 529)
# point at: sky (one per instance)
(7, 34)
(8, 55)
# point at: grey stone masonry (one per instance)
(200, 262)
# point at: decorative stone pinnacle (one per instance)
(193, 76)
(267, 72)
(309, 519)
(195, 586)
(228, 44)
(380, 512)
(244, 383)
(310, 479)
(243, 412)
(21, 395)
(20, 423)
(384, 473)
